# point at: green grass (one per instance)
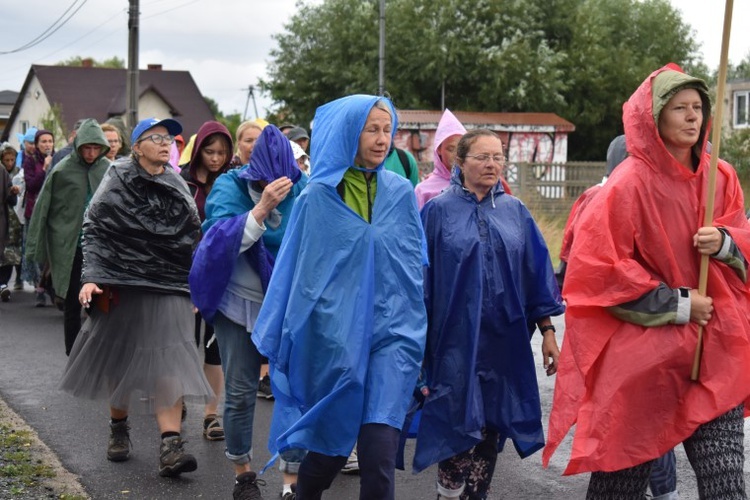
(21, 471)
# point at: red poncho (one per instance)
(627, 387)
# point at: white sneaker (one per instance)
(352, 464)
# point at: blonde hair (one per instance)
(108, 127)
(244, 126)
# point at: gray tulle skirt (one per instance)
(140, 355)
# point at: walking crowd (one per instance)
(317, 271)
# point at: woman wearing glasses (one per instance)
(490, 281)
(137, 348)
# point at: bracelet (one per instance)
(547, 328)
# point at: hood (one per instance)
(90, 133)
(206, 130)
(272, 158)
(640, 117)
(616, 153)
(448, 126)
(335, 137)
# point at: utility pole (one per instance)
(131, 86)
(381, 51)
(250, 93)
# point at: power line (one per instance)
(49, 31)
(170, 10)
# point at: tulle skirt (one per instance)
(140, 355)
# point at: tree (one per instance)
(578, 58)
(231, 122)
(113, 62)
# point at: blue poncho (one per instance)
(227, 209)
(490, 278)
(343, 322)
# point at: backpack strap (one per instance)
(404, 162)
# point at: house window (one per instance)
(741, 100)
(24, 126)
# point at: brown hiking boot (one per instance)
(173, 460)
(119, 442)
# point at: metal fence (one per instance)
(547, 188)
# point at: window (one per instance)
(741, 99)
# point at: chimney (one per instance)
(154, 67)
(87, 63)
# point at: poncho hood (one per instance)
(440, 176)
(335, 140)
(89, 133)
(206, 130)
(272, 158)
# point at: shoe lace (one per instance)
(249, 490)
(121, 435)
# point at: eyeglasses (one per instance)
(483, 158)
(158, 139)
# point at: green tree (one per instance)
(231, 121)
(578, 58)
(113, 62)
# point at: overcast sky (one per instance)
(225, 49)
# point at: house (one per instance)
(737, 102)
(7, 100)
(527, 137)
(89, 92)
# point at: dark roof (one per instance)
(428, 119)
(8, 96)
(100, 93)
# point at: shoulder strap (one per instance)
(404, 162)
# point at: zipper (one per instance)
(369, 201)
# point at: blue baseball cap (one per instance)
(172, 126)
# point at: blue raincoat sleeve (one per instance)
(490, 278)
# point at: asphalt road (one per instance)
(32, 359)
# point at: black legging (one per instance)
(72, 309)
(5, 272)
(716, 452)
(211, 352)
(377, 446)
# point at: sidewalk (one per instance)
(28, 468)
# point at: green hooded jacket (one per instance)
(55, 227)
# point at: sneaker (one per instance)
(264, 388)
(290, 495)
(173, 460)
(246, 487)
(4, 293)
(212, 428)
(352, 464)
(119, 442)
(41, 299)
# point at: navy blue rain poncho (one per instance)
(490, 278)
(343, 322)
(227, 209)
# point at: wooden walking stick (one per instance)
(715, 144)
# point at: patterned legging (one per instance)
(715, 451)
(473, 468)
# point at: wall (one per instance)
(150, 104)
(33, 108)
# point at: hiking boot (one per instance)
(246, 487)
(18, 286)
(264, 388)
(352, 464)
(4, 293)
(119, 442)
(173, 460)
